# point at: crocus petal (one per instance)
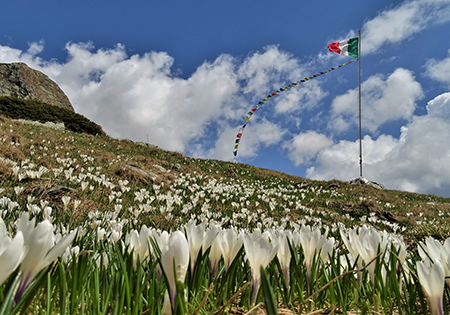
(58, 249)
(432, 278)
(11, 254)
(38, 242)
(175, 254)
(230, 243)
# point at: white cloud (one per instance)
(272, 69)
(439, 107)
(258, 134)
(417, 161)
(304, 147)
(341, 160)
(400, 23)
(131, 97)
(383, 100)
(299, 98)
(439, 70)
(262, 71)
(135, 96)
(138, 96)
(263, 133)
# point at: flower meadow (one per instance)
(81, 232)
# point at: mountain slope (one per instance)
(162, 189)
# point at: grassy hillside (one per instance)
(224, 188)
(108, 190)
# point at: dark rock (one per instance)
(20, 81)
(177, 167)
(334, 185)
(382, 214)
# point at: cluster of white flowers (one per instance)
(259, 215)
(434, 271)
(34, 247)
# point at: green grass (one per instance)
(32, 110)
(209, 191)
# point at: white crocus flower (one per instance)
(432, 278)
(437, 251)
(432, 247)
(76, 203)
(42, 248)
(209, 237)
(11, 252)
(69, 253)
(195, 236)
(229, 242)
(84, 185)
(399, 247)
(65, 200)
(370, 243)
(101, 232)
(18, 190)
(284, 254)
(214, 256)
(351, 244)
(117, 208)
(175, 258)
(445, 259)
(314, 243)
(138, 243)
(115, 235)
(162, 240)
(47, 213)
(260, 252)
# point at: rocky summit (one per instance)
(19, 80)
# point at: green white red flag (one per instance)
(348, 47)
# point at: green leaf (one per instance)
(9, 299)
(269, 298)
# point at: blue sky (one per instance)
(185, 73)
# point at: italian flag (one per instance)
(348, 47)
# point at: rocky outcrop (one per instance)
(364, 181)
(19, 80)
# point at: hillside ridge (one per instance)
(18, 80)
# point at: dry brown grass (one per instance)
(12, 152)
(5, 171)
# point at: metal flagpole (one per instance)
(359, 79)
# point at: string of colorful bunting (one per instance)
(272, 94)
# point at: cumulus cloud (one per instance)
(272, 69)
(341, 160)
(383, 100)
(305, 96)
(416, 161)
(259, 134)
(263, 133)
(400, 23)
(303, 147)
(439, 70)
(139, 95)
(439, 107)
(264, 69)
